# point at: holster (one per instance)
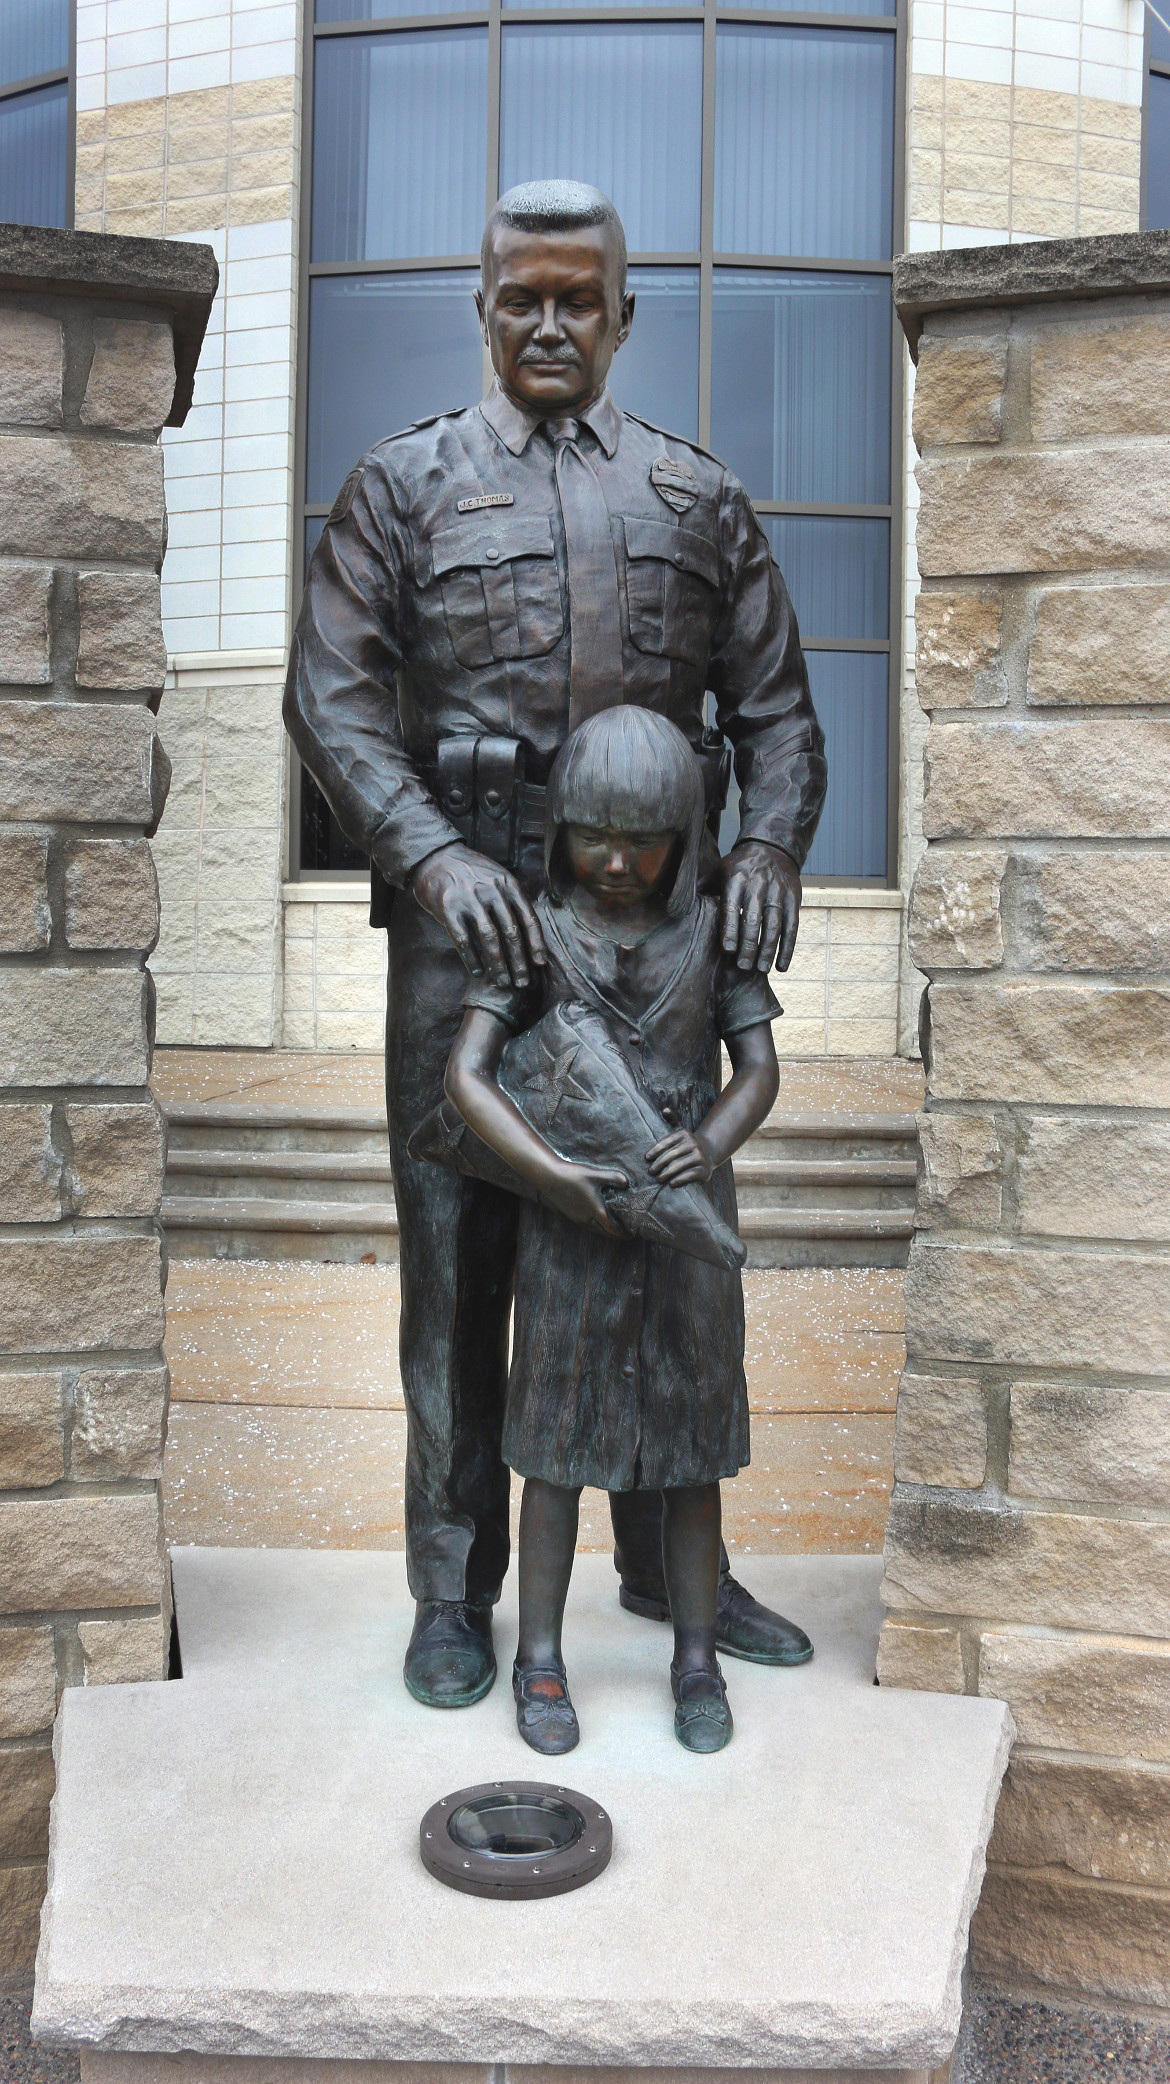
(714, 758)
(479, 784)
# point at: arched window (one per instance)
(1156, 128)
(752, 153)
(36, 112)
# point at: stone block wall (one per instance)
(97, 345)
(1028, 1546)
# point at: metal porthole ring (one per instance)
(515, 1839)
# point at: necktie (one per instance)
(595, 630)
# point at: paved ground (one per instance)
(1001, 2043)
(1006, 2043)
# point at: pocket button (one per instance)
(678, 557)
(492, 555)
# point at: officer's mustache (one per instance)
(543, 358)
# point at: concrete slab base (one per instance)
(236, 1896)
(261, 2069)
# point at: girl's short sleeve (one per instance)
(516, 1007)
(743, 998)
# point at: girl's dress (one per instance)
(627, 1358)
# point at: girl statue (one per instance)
(627, 1359)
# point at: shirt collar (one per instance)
(516, 427)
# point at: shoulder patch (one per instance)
(675, 482)
(345, 497)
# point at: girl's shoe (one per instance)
(545, 1716)
(702, 1718)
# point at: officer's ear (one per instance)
(625, 321)
(482, 317)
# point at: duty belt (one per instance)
(480, 785)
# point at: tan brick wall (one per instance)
(201, 161)
(1021, 160)
(1028, 1548)
(840, 996)
(83, 778)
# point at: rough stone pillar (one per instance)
(98, 343)
(1028, 1548)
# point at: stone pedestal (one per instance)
(1028, 1550)
(98, 343)
(237, 1897)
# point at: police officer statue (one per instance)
(486, 581)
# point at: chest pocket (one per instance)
(672, 586)
(501, 593)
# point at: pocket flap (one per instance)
(483, 541)
(677, 546)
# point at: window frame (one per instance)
(61, 75)
(1151, 66)
(494, 17)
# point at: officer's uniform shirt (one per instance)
(437, 603)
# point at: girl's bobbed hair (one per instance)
(627, 770)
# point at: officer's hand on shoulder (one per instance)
(485, 912)
(761, 905)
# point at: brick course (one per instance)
(1028, 1545)
(83, 781)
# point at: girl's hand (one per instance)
(576, 1190)
(679, 1160)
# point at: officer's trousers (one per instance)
(457, 1241)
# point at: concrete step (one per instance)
(299, 1180)
(282, 1172)
(235, 1871)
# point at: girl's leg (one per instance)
(548, 1537)
(691, 1554)
(691, 1538)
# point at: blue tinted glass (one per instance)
(386, 10)
(620, 107)
(384, 350)
(851, 693)
(800, 384)
(34, 38)
(33, 152)
(874, 7)
(1158, 153)
(399, 145)
(1159, 39)
(656, 373)
(838, 573)
(804, 142)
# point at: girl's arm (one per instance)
(471, 1085)
(742, 1105)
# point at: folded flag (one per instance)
(573, 1083)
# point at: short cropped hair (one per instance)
(554, 206)
(627, 770)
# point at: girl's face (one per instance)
(619, 869)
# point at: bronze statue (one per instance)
(627, 1355)
(486, 581)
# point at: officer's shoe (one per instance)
(449, 1660)
(743, 1628)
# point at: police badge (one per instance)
(674, 482)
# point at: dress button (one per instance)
(678, 557)
(635, 1038)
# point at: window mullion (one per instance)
(707, 227)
